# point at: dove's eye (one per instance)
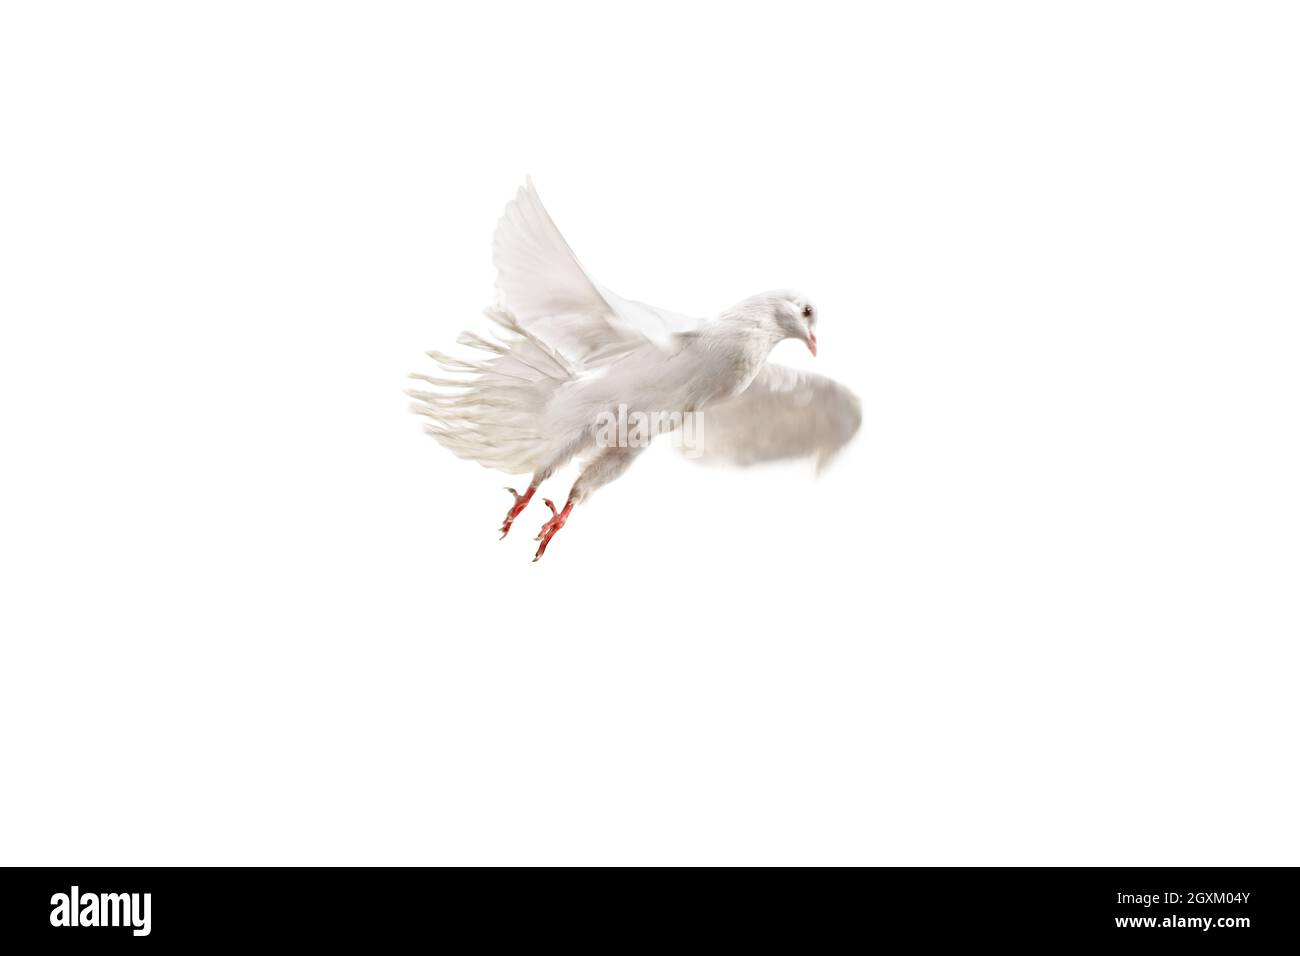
(807, 311)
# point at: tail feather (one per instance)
(489, 411)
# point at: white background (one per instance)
(1044, 610)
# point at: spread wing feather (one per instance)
(541, 283)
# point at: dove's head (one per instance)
(796, 318)
(779, 315)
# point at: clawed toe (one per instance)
(555, 523)
(554, 516)
(521, 502)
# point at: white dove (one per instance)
(576, 358)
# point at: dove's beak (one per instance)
(812, 344)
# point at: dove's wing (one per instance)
(785, 413)
(541, 282)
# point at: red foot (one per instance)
(555, 524)
(521, 502)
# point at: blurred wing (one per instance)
(541, 282)
(785, 413)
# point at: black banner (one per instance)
(96, 908)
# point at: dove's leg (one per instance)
(555, 523)
(602, 469)
(521, 502)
